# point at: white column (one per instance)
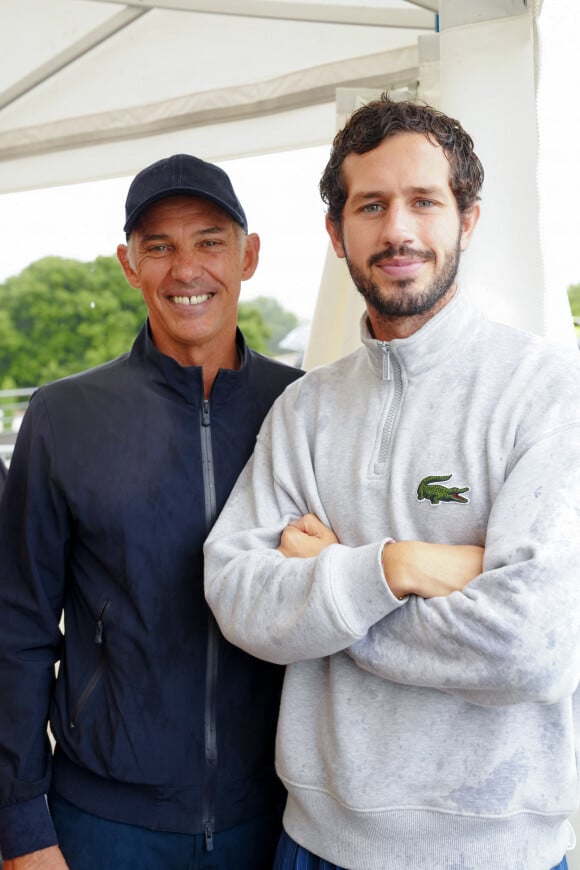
(508, 75)
(488, 54)
(504, 69)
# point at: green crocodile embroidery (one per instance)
(432, 489)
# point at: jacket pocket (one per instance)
(92, 683)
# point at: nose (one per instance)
(186, 266)
(397, 226)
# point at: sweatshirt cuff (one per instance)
(398, 598)
(26, 827)
(360, 589)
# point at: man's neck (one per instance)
(388, 327)
(209, 356)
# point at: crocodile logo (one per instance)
(432, 489)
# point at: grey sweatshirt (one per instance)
(439, 734)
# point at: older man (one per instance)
(164, 731)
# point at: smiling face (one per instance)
(401, 233)
(188, 258)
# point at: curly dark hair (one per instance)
(375, 121)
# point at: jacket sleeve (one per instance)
(512, 634)
(278, 609)
(33, 541)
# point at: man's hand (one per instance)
(428, 570)
(306, 537)
(410, 567)
(45, 859)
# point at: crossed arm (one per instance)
(493, 622)
(410, 567)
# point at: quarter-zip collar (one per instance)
(439, 339)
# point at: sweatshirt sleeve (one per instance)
(512, 634)
(33, 535)
(279, 609)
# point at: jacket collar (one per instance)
(186, 380)
(439, 339)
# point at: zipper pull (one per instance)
(100, 625)
(205, 413)
(387, 367)
(208, 838)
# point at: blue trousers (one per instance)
(291, 856)
(92, 843)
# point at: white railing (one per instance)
(13, 404)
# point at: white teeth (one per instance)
(191, 300)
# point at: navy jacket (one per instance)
(117, 475)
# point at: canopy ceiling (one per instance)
(84, 82)
(92, 89)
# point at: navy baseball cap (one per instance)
(181, 175)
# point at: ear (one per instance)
(130, 273)
(469, 220)
(335, 238)
(251, 255)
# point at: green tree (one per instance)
(574, 298)
(251, 322)
(61, 316)
(278, 320)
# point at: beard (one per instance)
(405, 302)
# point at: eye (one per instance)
(157, 250)
(372, 208)
(424, 203)
(211, 243)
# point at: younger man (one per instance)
(420, 727)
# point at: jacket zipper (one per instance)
(391, 372)
(91, 685)
(211, 671)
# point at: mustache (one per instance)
(400, 251)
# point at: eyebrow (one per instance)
(432, 190)
(153, 237)
(218, 228)
(161, 237)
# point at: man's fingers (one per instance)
(306, 537)
(291, 533)
(309, 524)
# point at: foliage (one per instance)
(279, 321)
(574, 298)
(60, 316)
(252, 324)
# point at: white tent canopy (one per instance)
(91, 89)
(82, 83)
